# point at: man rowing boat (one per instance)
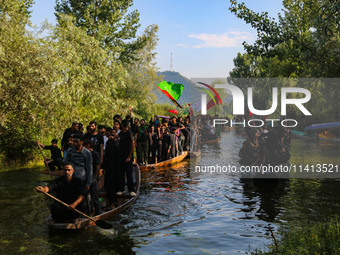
(70, 190)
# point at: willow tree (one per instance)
(114, 26)
(303, 42)
(90, 82)
(144, 74)
(25, 76)
(109, 22)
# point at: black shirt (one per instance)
(166, 141)
(125, 143)
(154, 140)
(95, 161)
(67, 133)
(112, 155)
(67, 192)
(97, 140)
(134, 129)
(55, 152)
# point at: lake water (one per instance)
(179, 210)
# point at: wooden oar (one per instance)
(49, 170)
(99, 223)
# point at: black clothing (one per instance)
(125, 143)
(97, 140)
(67, 133)
(134, 129)
(67, 192)
(94, 184)
(95, 162)
(56, 156)
(55, 152)
(153, 147)
(58, 163)
(173, 145)
(165, 147)
(127, 168)
(154, 140)
(114, 174)
(186, 134)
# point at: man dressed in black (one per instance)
(114, 173)
(68, 133)
(56, 158)
(70, 190)
(97, 139)
(127, 146)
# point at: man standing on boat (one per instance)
(56, 158)
(96, 169)
(127, 146)
(97, 139)
(69, 190)
(68, 133)
(81, 158)
(142, 138)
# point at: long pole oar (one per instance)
(99, 223)
(46, 164)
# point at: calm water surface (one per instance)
(179, 211)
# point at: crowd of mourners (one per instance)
(265, 145)
(111, 149)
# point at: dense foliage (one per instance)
(75, 72)
(320, 238)
(304, 42)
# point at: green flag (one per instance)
(171, 90)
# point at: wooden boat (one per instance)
(165, 163)
(319, 137)
(194, 154)
(126, 201)
(212, 141)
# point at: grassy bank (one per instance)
(321, 238)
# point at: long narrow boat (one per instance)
(212, 141)
(305, 136)
(125, 202)
(165, 163)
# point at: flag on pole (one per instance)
(172, 90)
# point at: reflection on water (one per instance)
(179, 210)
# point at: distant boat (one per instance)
(311, 132)
(323, 126)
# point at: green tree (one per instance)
(304, 42)
(109, 22)
(144, 73)
(25, 73)
(90, 84)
